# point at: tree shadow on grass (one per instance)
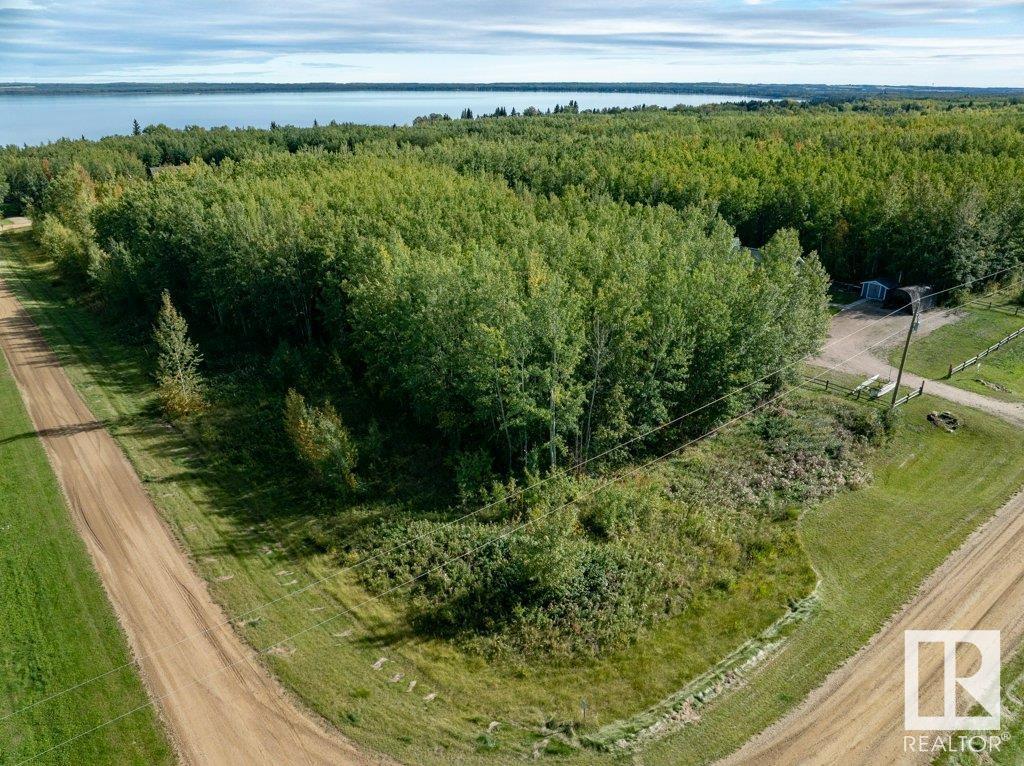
(232, 458)
(72, 332)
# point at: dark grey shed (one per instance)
(911, 298)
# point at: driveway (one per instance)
(867, 326)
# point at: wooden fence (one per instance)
(955, 368)
(1002, 307)
(829, 385)
(864, 390)
(912, 395)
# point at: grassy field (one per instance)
(56, 626)
(1000, 375)
(870, 547)
(234, 532)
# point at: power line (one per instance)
(481, 509)
(503, 535)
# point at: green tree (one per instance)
(321, 441)
(178, 359)
(65, 230)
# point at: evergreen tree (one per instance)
(177, 362)
(136, 128)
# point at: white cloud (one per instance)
(751, 40)
(20, 5)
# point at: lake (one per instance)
(38, 119)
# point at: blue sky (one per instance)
(945, 42)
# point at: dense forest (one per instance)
(928, 189)
(493, 302)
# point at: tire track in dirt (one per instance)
(241, 717)
(856, 717)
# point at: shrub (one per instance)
(594, 574)
(321, 441)
(517, 591)
(473, 472)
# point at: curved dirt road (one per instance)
(874, 329)
(235, 716)
(856, 717)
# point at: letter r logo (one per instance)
(982, 685)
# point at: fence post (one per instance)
(950, 374)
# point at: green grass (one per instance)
(56, 626)
(1001, 375)
(871, 547)
(235, 529)
(1011, 751)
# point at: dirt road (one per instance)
(18, 223)
(239, 716)
(874, 330)
(856, 716)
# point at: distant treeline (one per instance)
(456, 309)
(929, 189)
(809, 91)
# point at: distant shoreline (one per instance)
(769, 90)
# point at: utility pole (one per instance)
(903, 360)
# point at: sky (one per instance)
(919, 42)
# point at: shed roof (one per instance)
(887, 283)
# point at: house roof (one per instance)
(754, 252)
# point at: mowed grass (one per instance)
(56, 626)
(1011, 750)
(871, 547)
(234, 531)
(1000, 375)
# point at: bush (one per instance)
(517, 591)
(321, 441)
(473, 471)
(604, 562)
